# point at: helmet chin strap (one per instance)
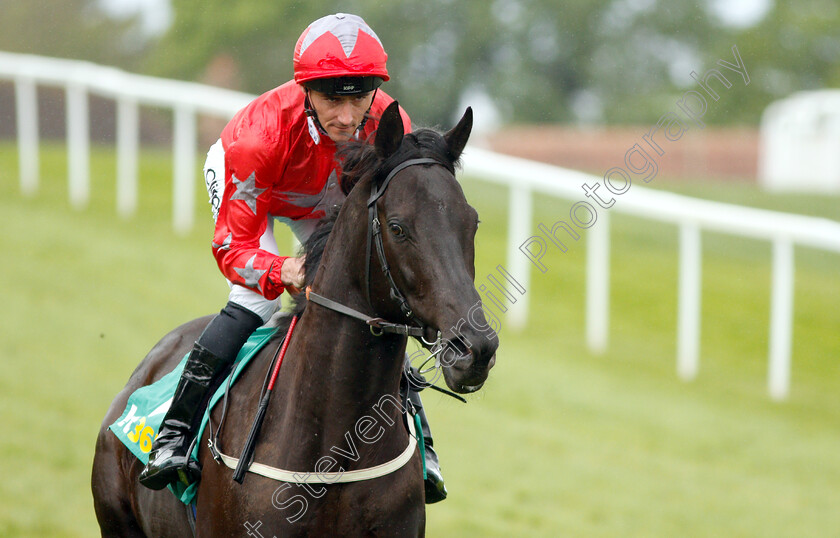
(309, 110)
(367, 113)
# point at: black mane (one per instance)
(360, 160)
(313, 248)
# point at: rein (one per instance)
(378, 326)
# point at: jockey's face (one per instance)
(340, 115)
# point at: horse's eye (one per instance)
(396, 229)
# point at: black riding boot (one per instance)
(435, 488)
(213, 354)
(168, 460)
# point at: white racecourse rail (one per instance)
(523, 178)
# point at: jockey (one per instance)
(276, 160)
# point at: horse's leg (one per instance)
(395, 506)
(123, 507)
(111, 487)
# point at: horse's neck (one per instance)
(341, 392)
(340, 372)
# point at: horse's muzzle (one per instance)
(467, 362)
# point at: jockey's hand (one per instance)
(291, 272)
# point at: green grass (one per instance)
(559, 443)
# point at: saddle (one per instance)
(138, 425)
(146, 407)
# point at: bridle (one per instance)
(379, 326)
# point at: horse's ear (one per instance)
(390, 132)
(457, 138)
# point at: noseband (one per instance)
(378, 326)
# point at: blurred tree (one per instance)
(589, 61)
(70, 29)
(641, 51)
(259, 36)
(585, 60)
(795, 47)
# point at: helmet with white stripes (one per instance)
(340, 55)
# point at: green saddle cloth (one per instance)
(146, 407)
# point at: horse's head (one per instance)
(428, 237)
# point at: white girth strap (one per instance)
(297, 477)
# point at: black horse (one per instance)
(337, 393)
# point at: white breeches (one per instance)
(214, 178)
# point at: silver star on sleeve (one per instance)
(247, 191)
(250, 275)
(225, 244)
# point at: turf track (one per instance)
(560, 442)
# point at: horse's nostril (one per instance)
(459, 347)
(453, 351)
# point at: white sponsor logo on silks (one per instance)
(213, 189)
(141, 434)
(162, 408)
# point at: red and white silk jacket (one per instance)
(275, 166)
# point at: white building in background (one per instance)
(800, 143)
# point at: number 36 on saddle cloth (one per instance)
(138, 425)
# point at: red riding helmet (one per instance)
(340, 54)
